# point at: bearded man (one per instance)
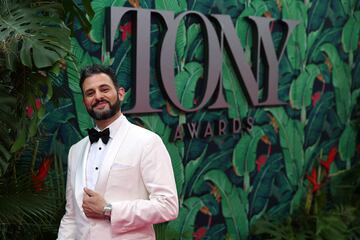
(120, 179)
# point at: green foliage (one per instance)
(341, 76)
(315, 126)
(291, 135)
(168, 5)
(318, 83)
(326, 226)
(301, 89)
(186, 81)
(226, 184)
(347, 144)
(244, 154)
(317, 14)
(75, 13)
(263, 186)
(238, 105)
(33, 42)
(7, 103)
(183, 226)
(43, 36)
(234, 204)
(296, 48)
(97, 22)
(22, 208)
(350, 34)
(79, 60)
(33, 45)
(331, 216)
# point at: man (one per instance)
(120, 179)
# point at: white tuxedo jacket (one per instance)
(136, 177)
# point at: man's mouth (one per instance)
(100, 104)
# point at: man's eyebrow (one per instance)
(104, 85)
(101, 86)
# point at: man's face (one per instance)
(101, 99)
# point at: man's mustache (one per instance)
(98, 102)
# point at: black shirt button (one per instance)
(96, 168)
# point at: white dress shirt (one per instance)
(97, 152)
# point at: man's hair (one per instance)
(97, 69)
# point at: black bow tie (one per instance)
(94, 135)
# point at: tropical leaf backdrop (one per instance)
(229, 184)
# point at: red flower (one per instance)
(330, 159)
(39, 178)
(38, 103)
(313, 180)
(29, 111)
(315, 98)
(200, 233)
(126, 29)
(261, 161)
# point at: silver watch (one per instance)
(107, 211)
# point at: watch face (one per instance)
(107, 210)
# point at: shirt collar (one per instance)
(114, 126)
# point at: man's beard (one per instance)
(114, 108)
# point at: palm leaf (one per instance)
(347, 144)
(186, 82)
(44, 37)
(213, 161)
(97, 22)
(7, 125)
(20, 205)
(291, 141)
(302, 88)
(327, 35)
(263, 187)
(190, 168)
(233, 202)
(315, 124)
(317, 14)
(341, 79)
(238, 104)
(244, 155)
(296, 47)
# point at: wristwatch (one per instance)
(107, 211)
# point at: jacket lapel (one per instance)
(80, 176)
(109, 158)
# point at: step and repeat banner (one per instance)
(254, 100)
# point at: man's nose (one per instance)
(98, 95)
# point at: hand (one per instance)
(93, 204)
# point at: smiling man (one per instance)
(120, 179)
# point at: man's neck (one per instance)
(102, 124)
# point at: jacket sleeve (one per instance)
(158, 177)
(67, 227)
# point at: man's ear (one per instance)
(121, 93)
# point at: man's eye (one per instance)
(89, 94)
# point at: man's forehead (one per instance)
(98, 80)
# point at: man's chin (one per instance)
(101, 110)
(101, 115)
(104, 112)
